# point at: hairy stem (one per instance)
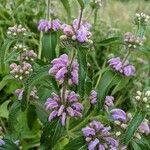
(80, 18)
(126, 56)
(48, 9)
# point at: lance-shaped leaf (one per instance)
(67, 7)
(76, 144)
(82, 71)
(33, 79)
(52, 132)
(9, 145)
(49, 42)
(133, 126)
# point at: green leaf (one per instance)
(82, 71)
(81, 3)
(121, 84)
(5, 81)
(67, 7)
(133, 126)
(13, 113)
(108, 80)
(9, 145)
(4, 49)
(49, 42)
(52, 132)
(33, 79)
(76, 144)
(110, 41)
(135, 146)
(31, 116)
(4, 110)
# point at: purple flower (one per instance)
(61, 67)
(61, 108)
(46, 25)
(109, 101)
(144, 128)
(81, 34)
(99, 136)
(2, 142)
(56, 24)
(118, 114)
(93, 97)
(129, 70)
(78, 32)
(124, 68)
(93, 144)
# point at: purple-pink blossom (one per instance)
(63, 108)
(98, 136)
(93, 97)
(124, 68)
(118, 115)
(46, 25)
(62, 68)
(144, 127)
(77, 32)
(109, 101)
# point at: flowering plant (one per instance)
(66, 85)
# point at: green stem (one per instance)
(48, 8)
(81, 13)
(126, 56)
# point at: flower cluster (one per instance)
(143, 98)
(141, 18)
(20, 47)
(93, 97)
(16, 30)
(33, 93)
(46, 25)
(29, 55)
(63, 108)
(62, 68)
(77, 31)
(122, 119)
(99, 137)
(133, 41)
(123, 67)
(20, 71)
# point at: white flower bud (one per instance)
(32, 59)
(145, 99)
(8, 32)
(134, 46)
(117, 122)
(137, 135)
(147, 93)
(148, 106)
(14, 34)
(137, 97)
(139, 93)
(27, 72)
(20, 77)
(74, 37)
(16, 76)
(118, 133)
(88, 139)
(21, 71)
(129, 45)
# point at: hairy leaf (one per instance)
(133, 125)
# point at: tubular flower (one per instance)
(63, 108)
(77, 32)
(62, 68)
(109, 101)
(33, 93)
(45, 25)
(93, 97)
(118, 115)
(124, 68)
(99, 137)
(144, 127)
